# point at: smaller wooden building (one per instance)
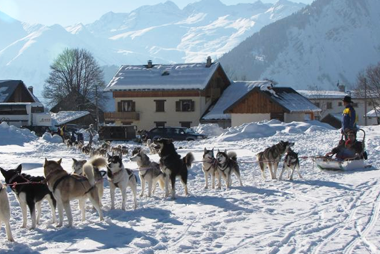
(254, 101)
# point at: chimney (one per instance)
(208, 62)
(150, 65)
(342, 88)
(30, 88)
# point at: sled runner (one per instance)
(333, 164)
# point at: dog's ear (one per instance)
(74, 160)
(225, 150)
(45, 161)
(204, 150)
(19, 168)
(59, 161)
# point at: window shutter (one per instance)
(119, 108)
(133, 106)
(192, 105)
(177, 106)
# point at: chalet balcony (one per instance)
(121, 116)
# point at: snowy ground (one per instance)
(325, 212)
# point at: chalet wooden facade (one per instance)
(255, 101)
(150, 95)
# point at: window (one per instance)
(340, 104)
(370, 103)
(317, 104)
(318, 118)
(160, 124)
(160, 105)
(126, 106)
(329, 105)
(185, 124)
(355, 105)
(184, 105)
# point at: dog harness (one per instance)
(59, 180)
(214, 163)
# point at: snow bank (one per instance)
(52, 139)
(271, 128)
(211, 129)
(12, 135)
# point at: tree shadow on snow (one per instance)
(164, 216)
(108, 234)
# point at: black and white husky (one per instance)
(209, 167)
(291, 163)
(84, 167)
(227, 164)
(5, 213)
(149, 172)
(172, 165)
(29, 193)
(120, 177)
(271, 157)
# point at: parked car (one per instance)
(175, 133)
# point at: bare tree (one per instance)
(74, 73)
(368, 85)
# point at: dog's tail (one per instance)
(232, 155)
(188, 159)
(88, 168)
(259, 158)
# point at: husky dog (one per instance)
(292, 163)
(271, 157)
(148, 171)
(151, 146)
(172, 165)
(66, 187)
(209, 166)
(29, 195)
(81, 166)
(5, 213)
(120, 177)
(227, 164)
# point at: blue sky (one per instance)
(68, 12)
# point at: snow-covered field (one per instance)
(325, 212)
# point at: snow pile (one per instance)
(271, 128)
(11, 135)
(211, 129)
(52, 138)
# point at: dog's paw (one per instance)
(206, 187)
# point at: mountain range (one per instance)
(327, 42)
(162, 33)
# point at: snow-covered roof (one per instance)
(319, 94)
(162, 77)
(8, 87)
(372, 113)
(326, 94)
(284, 96)
(63, 117)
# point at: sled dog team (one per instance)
(59, 187)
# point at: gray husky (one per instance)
(271, 157)
(209, 167)
(148, 171)
(92, 166)
(291, 163)
(227, 164)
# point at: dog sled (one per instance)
(329, 163)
